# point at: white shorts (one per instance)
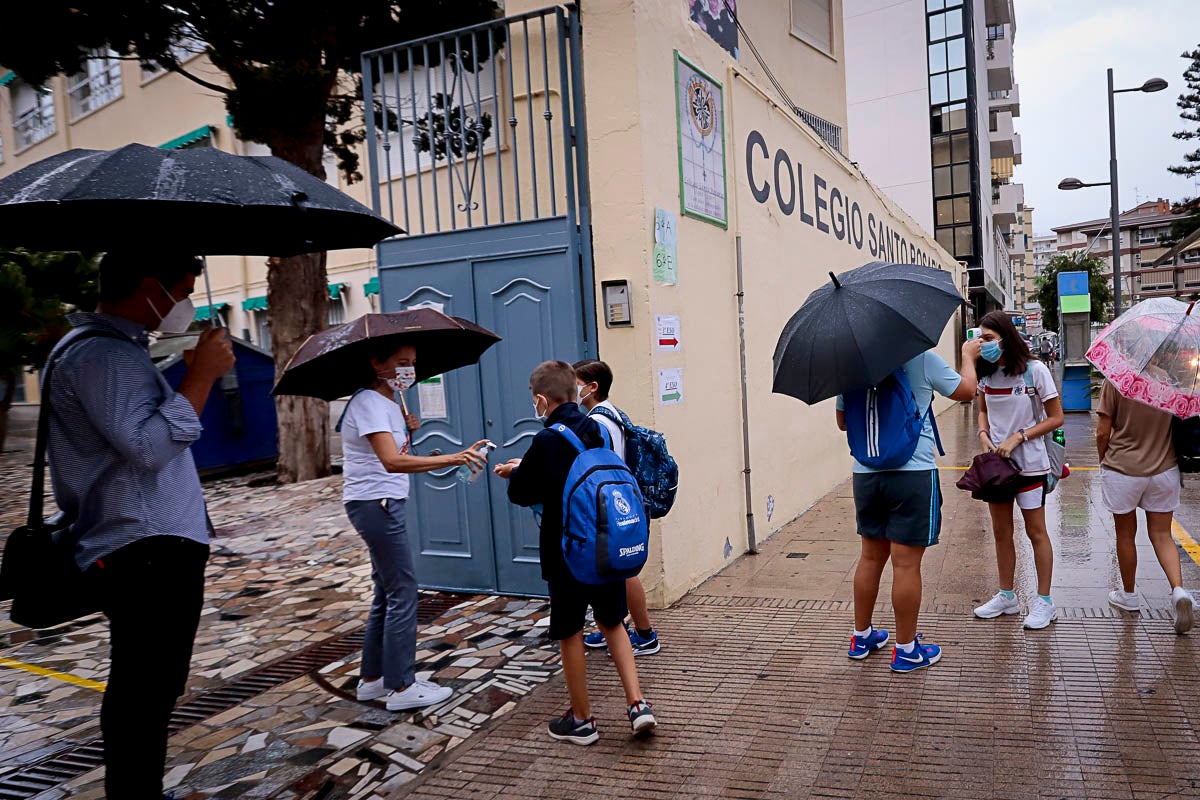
(1124, 494)
(1033, 497)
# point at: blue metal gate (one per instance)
(480, 155)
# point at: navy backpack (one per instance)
(883, 423)
(646, 454)
(606, 530)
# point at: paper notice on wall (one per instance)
(666, 332)
(670, 386)
(665, 256)
(432, 396)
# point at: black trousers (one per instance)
(152, 592)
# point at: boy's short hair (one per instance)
(554, 380)
(592, 370)
(121, 273)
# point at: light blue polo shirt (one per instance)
(927, 373)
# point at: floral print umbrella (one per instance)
(1151, 354)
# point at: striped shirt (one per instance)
(119, 444)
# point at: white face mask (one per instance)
(536, 413)
(583, 396)
(179, 318)
(405, 378)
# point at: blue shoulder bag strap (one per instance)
(342, 418)
(937, 437)
(569, 435)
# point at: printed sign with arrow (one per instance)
(670, 386)
(666, 329)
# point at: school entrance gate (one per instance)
(482, 160)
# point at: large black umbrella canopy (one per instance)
(857, 329)
(336, 362)
(202, 200)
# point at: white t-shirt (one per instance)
(1008, 413)
(614, 430)
(365, 478)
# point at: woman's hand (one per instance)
(470, 458)
(985, 442)
(1010, 444)
(412, 423)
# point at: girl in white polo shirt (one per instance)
(1007, 425)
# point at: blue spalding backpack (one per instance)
(606, 531)
(646, 454)
(883, 423)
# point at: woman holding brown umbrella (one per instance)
(376, 357)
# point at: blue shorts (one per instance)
(900, 506)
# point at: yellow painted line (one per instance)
(1184, 539)
(74, 680)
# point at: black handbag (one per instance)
(38, 572)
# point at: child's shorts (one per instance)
(569, 601)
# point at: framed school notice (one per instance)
(700, 120)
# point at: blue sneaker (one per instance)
(596, 640)
(923, 655)
(647, 646)
(863, 646)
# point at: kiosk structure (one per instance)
(1074, 315)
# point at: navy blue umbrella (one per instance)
(856, 330)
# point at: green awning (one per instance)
(371, 287)
(8, 78)
(335, 290)
(202, 313)
(188, 138)
(255, 304)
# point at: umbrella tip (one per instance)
(1191, 305)
(833, 278)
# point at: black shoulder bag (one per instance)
(38, 572)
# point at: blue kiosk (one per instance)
(1074, 321)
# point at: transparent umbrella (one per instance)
(1151, 354)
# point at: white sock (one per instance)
(867, 632)
(908, 648)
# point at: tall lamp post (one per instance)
(1067, 184)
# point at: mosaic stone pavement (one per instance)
(286, 571)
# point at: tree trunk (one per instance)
(6, 400)
(298, 307)
(298, 304)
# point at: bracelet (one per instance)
(1024, 436)
(985, 433)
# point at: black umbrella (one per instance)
(202, 200)
(336, 362)
(856, 330)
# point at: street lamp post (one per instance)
(1067, 184)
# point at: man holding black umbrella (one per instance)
(119, 440)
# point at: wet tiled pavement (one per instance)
(752, 688)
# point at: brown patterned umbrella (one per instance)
(336, 362)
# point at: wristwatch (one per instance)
(1021, 431)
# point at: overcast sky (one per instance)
(1063, 48)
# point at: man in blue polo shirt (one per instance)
(899, 514)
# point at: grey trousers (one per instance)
(390, 645)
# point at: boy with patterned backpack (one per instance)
(569, 526)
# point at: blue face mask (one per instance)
(991, 351)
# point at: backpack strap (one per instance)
(607, 414)
(569, 435)
(937, 437)
(37, 491)
(338, 428)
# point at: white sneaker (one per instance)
(1041, 614)
(1184, 609)
(998, 605)
(371, 690)
(419, 695)
(1126, 601)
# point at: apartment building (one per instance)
(931, 101)
(1045, 247)
(1020, 248)
(1144, 270)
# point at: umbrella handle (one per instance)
(208, 291)
(399, 397)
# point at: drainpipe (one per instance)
(751, 540)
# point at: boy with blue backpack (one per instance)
(594, 530)
(897, 499)
(632, 444)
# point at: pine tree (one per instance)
(1189, 110)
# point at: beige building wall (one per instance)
(797, 454)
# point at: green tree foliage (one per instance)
(1187, 213)
(1189, 111)
(1098, 286)
(37, 290)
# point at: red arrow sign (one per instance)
(668, 342)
